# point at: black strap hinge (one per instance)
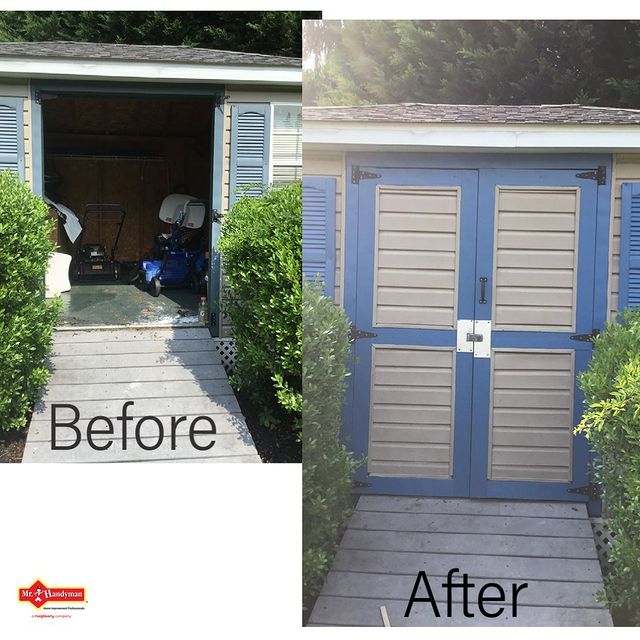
(599, 175)
(357, 174)
(592, 490)
(356, 334)
(586, 337)
(357, 484)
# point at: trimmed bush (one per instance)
(26, 318)
(611, 422)
(327, 466)
(261, 247)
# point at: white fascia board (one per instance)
(408, 136)
(53, 68)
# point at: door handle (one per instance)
(483, 290)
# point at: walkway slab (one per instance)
(166, 372)
(388, 540)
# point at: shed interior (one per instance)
(126, 151)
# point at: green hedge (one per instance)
(327, 466)
(261, 247)
(26, 319)
(611, 422)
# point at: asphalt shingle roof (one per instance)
(476, 114)
(141, 53)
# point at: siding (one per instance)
(21, 90)
(531, 415)
(536, 253)
(330, 165)
(412, 401)
(626, 168)
(416, 256)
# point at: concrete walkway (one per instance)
(389, 540)
(166, 372)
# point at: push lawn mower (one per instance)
(173, 261)
(92, 260)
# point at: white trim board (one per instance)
(14, 67)
(471, 137)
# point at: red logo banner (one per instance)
(38, 594)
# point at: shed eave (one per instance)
(122, 70)
(472, 137)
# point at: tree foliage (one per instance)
(269, 32)
(473, 62)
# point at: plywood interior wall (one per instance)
(129, 152)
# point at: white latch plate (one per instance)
(482, 349)
(464, 327)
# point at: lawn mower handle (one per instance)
(107, 208)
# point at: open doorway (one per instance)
(112, 161)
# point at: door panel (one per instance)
(541, 225)
(536, 249)
(412, 389)
(419, 226)
(412, 409)
(531, 413)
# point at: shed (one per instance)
(88, 123)
(476, 250)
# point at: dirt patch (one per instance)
(12, 443)
(273, 445)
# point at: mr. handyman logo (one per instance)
(38, 594)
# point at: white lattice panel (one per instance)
(227, 350)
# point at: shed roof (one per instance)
(141, 53)
(414, 112)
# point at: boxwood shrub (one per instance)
(26, 318)
(327, 466)
(611, 422)
(261, 248)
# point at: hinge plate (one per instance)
(590, 490)
(599, 175)
(357, 174)
(585, 337)
(357, 334)
(219, 100)
(357, 484)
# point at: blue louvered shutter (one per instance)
(319, 230)
(250, 132)
(12, 135)
(630, 247)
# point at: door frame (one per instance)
(151, 90)
(441, 160)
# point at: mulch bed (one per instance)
(273, 445)
(12, 443)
